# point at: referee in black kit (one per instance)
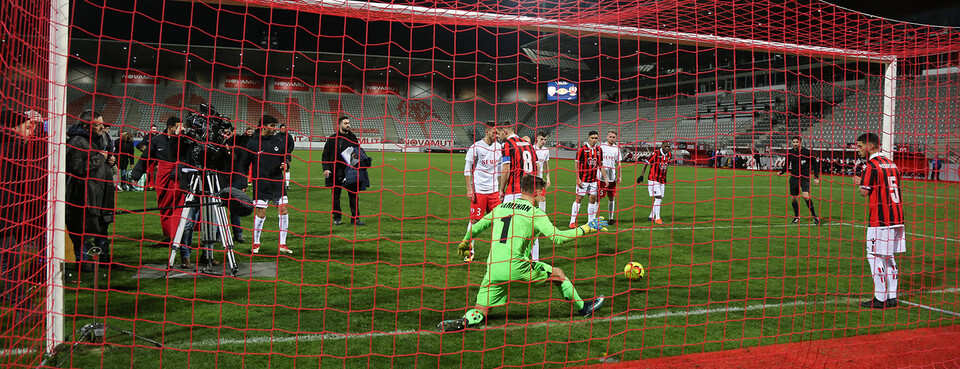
(802, 165)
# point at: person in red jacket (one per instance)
(164, 152)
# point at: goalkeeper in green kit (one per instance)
(515, 225)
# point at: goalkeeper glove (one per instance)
(640, 179)
(464, 248)
(597, 224)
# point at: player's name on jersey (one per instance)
(517, 206)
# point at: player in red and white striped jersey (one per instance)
(880, 184)
(519, 158)
(610, 165)
(658, 163)
(481, 171)
(588, 169)
(543, 156)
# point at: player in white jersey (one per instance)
(543, 156)
(481, 171)
(610, 165)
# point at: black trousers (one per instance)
(351, 195)
(14, 287)
(85, 234)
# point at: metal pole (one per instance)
(889, 109)
(57, 132)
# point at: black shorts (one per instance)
(796, 184)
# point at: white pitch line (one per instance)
(338, 336)
(658, 228)
(930, 308)
(16, 352)
(665, 314)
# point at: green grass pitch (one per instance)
(724, 271)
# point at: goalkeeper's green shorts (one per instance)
(493, 290)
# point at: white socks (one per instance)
(284, 223)
(257, 228)
(592, 210)
(893, 277)
(286, 179)
(655, 212)
(574, 211)
(469, 227)
(885, 276)
(612, 206)
(535, 251)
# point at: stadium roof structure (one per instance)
(822, 26)
(599, 40)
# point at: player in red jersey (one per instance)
(880, 184)
(519, 158)
(658, 163)
(588, 161)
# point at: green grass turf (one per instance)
(724, 271)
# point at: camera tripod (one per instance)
(214, 224)
(97, 332)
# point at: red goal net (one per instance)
(674, 121)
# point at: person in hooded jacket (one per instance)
(268, 156)
(23, 186)
(90, 187)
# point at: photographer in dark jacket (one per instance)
(90, 187)
(125, 157)
(240, 142)
(334, 170)
(144, 145)
(22, 188)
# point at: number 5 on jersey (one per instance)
(894, 190)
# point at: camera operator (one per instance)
(90, 187)
(334, 170)
(22, 184)
(269, 156)
(164, 153)
(240, 142)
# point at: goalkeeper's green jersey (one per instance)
(515, 225)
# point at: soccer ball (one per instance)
(634, 271)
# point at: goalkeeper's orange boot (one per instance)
(658, 221)
(573, 225)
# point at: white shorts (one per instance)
(510, 197)
(262, 204)
(656, 189)
(587, 188)
(886, 240)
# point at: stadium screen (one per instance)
(562, 90)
